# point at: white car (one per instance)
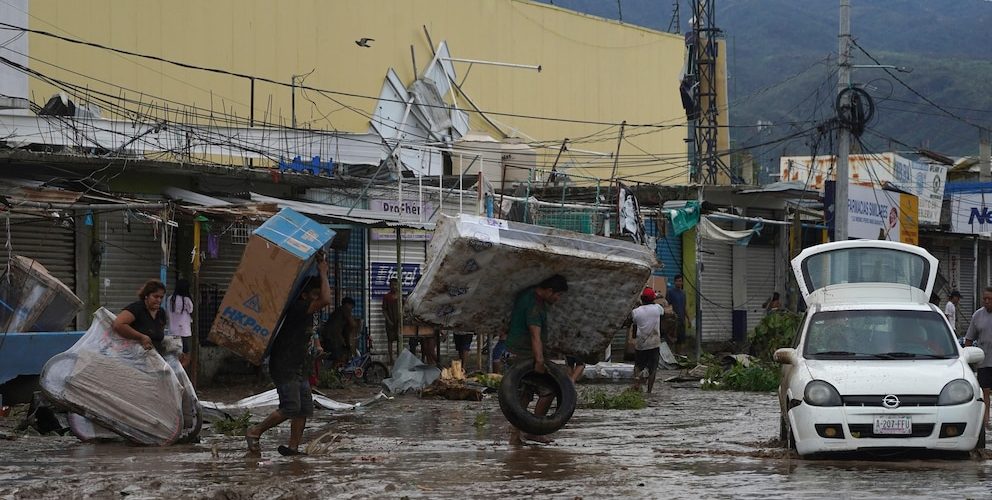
(874, 365)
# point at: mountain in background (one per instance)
(783, 68)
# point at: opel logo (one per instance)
(891, 402)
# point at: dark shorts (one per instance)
(295, 398)
(647, 358)
(572, 362)
(463, 342)
(187, 342)
(984, 378)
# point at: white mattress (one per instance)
(476, 266)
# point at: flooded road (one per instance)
(688, 443)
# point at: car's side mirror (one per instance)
(972, 354)
(785, 356)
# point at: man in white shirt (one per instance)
(647, 337)
(951, 309)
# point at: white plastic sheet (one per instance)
(119, 385)
(260, 405)
(410, 374)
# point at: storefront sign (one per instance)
(389, 234)
(405, 209)
(382, 272)
(877, 214)
(971, 213)
(925, 180)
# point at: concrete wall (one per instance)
(592, 69)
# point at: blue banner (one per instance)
(383, 271)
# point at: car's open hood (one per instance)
(866, 262)
(864, 377)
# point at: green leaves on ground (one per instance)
(629, 399)
(233, 427)
(758, 376)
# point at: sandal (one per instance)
(253, 445)
(286, 451)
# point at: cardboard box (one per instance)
(275, 262)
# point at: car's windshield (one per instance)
(878, 334)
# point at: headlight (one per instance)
(956, 392)
(820, 393)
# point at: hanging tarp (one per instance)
(710, 231)
(685, 218)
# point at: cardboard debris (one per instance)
(275, 262)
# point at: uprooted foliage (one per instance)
(740, 374)
(777, 329)
(233, 426)
(629, 399)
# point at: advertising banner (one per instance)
(382, 272)
(878, 214)
(971, 213)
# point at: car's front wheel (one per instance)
(785, 433)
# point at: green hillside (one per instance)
(782, 63)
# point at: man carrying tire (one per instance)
(527, 334)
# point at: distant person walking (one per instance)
(951, 310)
(676, 297)
(179, 312)
(647, 338)
(391, 313)
(774, 303)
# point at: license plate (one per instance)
(893, 425)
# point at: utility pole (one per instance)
(844, 139)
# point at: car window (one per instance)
(865, 265)
(878, 334)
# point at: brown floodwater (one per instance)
(687, 443)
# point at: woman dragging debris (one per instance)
(143, 320)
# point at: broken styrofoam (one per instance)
(476, 267)
(117, 384)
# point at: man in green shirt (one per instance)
(527, 334)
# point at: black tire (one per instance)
(521, 377)
(980, 445)
(783, 430)
(375, 373)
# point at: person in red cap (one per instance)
(647, 338)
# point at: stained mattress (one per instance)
(476, 266)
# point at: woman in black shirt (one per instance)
(144, 320)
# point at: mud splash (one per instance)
(687, 443)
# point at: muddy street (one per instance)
(686, 443)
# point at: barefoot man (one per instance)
(527, 334)
(286, 364)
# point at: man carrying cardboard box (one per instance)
(287, 361)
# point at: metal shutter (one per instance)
(968, 285)
(760, 281)
(48, 242)
(668, 249)
(216, 274)
(716, 288)
(132, 255)
(384, 251)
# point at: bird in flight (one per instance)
(364, 42)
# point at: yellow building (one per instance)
(595, 73)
